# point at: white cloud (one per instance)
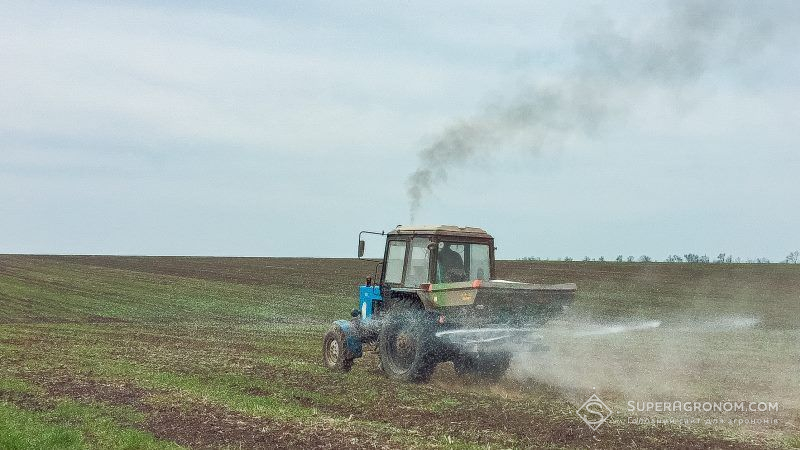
(147, 74)
(131, 121)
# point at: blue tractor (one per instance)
(436, 300)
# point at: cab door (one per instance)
(419, 263)
(394, 263)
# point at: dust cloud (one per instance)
(727, 358)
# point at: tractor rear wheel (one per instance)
(334, 351)
(489, 367)
(406, 346)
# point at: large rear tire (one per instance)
(334, 351)
(406, 346)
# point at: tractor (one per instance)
(436, 300)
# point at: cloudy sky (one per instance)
(281, 129)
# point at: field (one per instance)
(135, 352)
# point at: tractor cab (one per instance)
(417, 257)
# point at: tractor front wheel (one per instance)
(334, 351)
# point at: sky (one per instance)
(285, 128)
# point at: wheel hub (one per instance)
(404, 349)
(405, 343)
(333, 351)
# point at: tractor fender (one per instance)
(351, 337)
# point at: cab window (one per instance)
(462, 262)
(394, 262)
(479, 263)
(419, 264)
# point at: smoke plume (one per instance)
(613, 68)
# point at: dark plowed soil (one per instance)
(277, 360)
(25, 400)
(197, 425)
(334, 274)
(517, 422)
(514, 421)
(205, 426)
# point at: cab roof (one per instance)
(448, 230)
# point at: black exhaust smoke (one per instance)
(614, 68)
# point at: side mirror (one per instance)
(360, 249)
